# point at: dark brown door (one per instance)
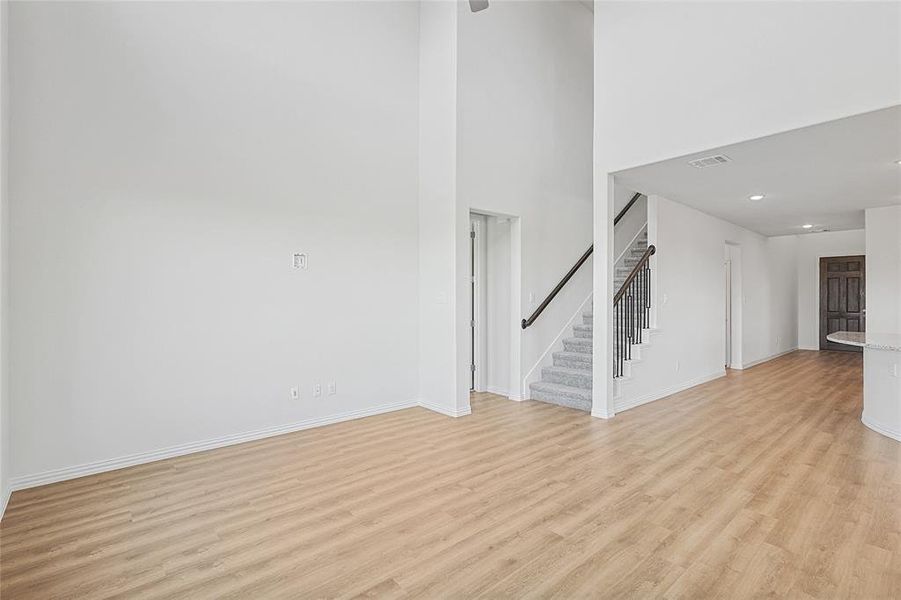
(842, 298)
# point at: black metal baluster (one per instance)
(640, 306)
(618, 333)
(619, 341)
(644, 287)
(633, 289)
(615, 349)
(631, 319)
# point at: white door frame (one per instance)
(479, 341)
(727, 271)
(733, 258)
(514, 388)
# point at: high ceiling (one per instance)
(824, 175)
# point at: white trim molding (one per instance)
(497, 391)
(884, 430)
(459, 412)
(621, 406)
(760, 361)
(28, 481)
(4, 501)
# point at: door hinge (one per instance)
(472, 234)
(472, 324)
(472, 368)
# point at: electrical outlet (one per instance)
(295, 393)
(300, 260)
(317, 390)
(332, 388)
(895, 370)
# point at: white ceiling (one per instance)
(824, 175)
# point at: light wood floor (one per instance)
(763, 483)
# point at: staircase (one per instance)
(625, 265)
(568, 381)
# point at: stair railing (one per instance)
(569, 275)
(632, 311)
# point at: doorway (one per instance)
(478, 301)
(732, 306)
(494, 343)
(727, 264)
(842, 299)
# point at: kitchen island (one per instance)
(881, 382)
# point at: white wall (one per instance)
(4, 259)
(720, 73)
(811, 248)
(689, 293)
(169, 159)
(715, 73)
(443, 226)
(883, 244)
(524, 143)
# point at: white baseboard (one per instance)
(498, 391)
(450, 412)
(754, 363)
(55, 475)
(4, 500)
(886, 431)
(623, 405)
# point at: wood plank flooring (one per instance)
(763, 483)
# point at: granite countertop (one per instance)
(876, 341)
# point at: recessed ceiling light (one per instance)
(898, 162)
(807, 226)
(756, 197)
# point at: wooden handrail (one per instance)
(626, 208)
(556, 290)
(652, 249)
(527, 322)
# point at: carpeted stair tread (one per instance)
(562, 395)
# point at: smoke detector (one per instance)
(709, 161)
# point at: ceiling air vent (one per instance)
(709, 161)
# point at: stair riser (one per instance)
(580, 381)
(562, 401)
(583, 333)
(571, 363)
(575, 346)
